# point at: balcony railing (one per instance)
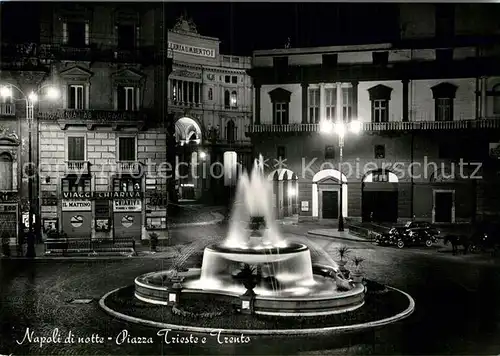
(491, 123)
(96, 116)
(35, 55)
(206, 106)
(129, 167)
(77, 167)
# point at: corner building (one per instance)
(102, 143)
(426, 102)
(210, 104)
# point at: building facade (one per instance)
(99, 144)
(430, 123)
(210, 103)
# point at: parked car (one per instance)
(412, 233)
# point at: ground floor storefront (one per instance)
(380, 197)
(105, 214)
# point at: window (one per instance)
(496, 99)
(329, 152)
(227, 99)
(280, 99)
(6, 106)
(444, 95)
(380, 111)
(281, 152)
(280, 114)
(347, 103)
(379, 151)
(76, 34)
(174, 90)
(127, 99)
(126, 36)
(380, 95)
(227, 79)
(380, 58)
(444, 109)
(234, 79)
(75, 99)
(210, 94)
(330, 102)
(126, 185)
(76, 148)
(234, 99)
(230, 131)
(6, 177)
(314, 105)
(76, 184)
(330, 60)
(126, 149)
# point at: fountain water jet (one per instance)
(287, 284)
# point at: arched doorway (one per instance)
(326, 194)
(285, 192)
(379, 196)
(188, 136)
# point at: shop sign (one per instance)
(76, 205)
(192, 50)
(8, 208)
(127, 205)
(102, 195)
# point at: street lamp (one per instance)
(30, 100)
(339, 128)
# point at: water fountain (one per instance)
(288, 284)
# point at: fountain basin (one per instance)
(321, 298)
(257, 254)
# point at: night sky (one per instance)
(244, 27)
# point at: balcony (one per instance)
(490, 123)
(206, 106)
(77, 167)
(129, 167)
(92, 118)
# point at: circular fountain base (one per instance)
(284, 281)
(321, 298)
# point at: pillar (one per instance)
(322, 102)
(484, 111)
(405, 100)
(257, 104)
(305, 104)
(338, 104)
(355, 99)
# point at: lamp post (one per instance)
(30, 100)
(327, 126)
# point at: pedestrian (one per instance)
(30, 240)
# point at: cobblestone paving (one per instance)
(457, 305)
